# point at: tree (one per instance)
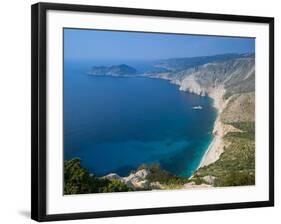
(77, 180)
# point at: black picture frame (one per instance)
(38, 108)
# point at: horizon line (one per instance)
(160, 59)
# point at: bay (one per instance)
(115, 124)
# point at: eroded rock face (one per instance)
(190, 84)
(112, 176)
(135, 180)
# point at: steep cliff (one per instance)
(230, 81)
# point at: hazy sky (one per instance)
(112, 45)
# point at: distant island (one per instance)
(114, 70)
(228, 79)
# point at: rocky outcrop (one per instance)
(191, 85)
(136, 180)
(112, 176)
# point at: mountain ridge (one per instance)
(182, 63)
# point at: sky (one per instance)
(82, 44)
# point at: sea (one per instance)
(116, 124)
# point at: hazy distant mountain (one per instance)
(177, 64)
(115, 70)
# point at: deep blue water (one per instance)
(117, 124)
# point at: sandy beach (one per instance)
(216, 147)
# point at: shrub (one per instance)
(236, 179)
(77, 180)
(163, 176)
(116, 186)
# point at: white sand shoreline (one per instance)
(213, 151)
(216, 147)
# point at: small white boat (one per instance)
(197, 108)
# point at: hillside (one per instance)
(244, 104)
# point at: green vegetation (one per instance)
(247, 128)
(236, 166)
(236, 179)
(77, 180)
(157, 174)
(115, 186)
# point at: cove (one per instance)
(115, 124)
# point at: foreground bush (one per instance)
(77, 180)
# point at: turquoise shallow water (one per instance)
(117, 124)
